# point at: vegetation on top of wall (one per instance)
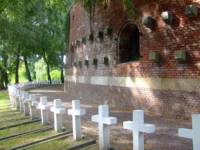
(90, 5)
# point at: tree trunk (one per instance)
(28, 74)
(1, 79)
(48, 67)
(17, 67)
(5, 73)
(62, 68)
(6, 79)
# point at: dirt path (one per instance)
(165, 137)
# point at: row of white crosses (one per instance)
(29, 104)
(137, 125)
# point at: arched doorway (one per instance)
(129, 43)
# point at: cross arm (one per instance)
(145, 128)
(60, 110)
(42, 107)
(110, 120)
(185, 133)
(80, 112)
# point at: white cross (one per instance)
(21, 95)
(11, 91)
(193, 133)
(44, 108)
(32, 105)
(17, 97)
(76, 113)
(138, 129)
(58, 110)
(25, 103)
(104, 121)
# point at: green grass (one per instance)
(12, 118)
(53, 145)
(10, 143)
(4, 100)
(59, 144)
(8, 112)
(93, 147)
(20, 129)
(8, 123)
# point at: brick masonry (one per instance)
(183, 34)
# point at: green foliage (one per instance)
(129, 7)
(55, 74)
(40, 70)
(32, 29)
(22, 75)
(89, 4)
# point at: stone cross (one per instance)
(21, 108)
(58, 111)
(76, 113)
(193, 133)
(104, 121)
(44, 108)
(17, 97)
(138, 129)
(25, 98)
(32, 106)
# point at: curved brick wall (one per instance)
(181, 96)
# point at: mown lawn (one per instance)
(59, 144)
(4, 100)
(11, 143)
(20, 129)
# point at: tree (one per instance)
(32, 29)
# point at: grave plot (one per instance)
(26, 139)
(92, 147)
(6, 108)
(7, 114)
(65, 142)
(10, 115)
(11, 120)
(20, 129)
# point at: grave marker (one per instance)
(76, 113)
(58, 111)
(138, 128)
(193, 133)
(104, 121)
(32, 106)
(44, 108)
(25, 100)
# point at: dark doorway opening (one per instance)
(129, 44)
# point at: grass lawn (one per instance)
(4, 99)
(8, 123)
(20, 129)
(12, 117)
(11, 143)
(54, 145)
(59, 144)
(93, 147)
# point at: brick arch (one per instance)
(130, 49)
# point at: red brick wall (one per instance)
(166, 39)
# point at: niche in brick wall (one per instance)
(129, 44)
